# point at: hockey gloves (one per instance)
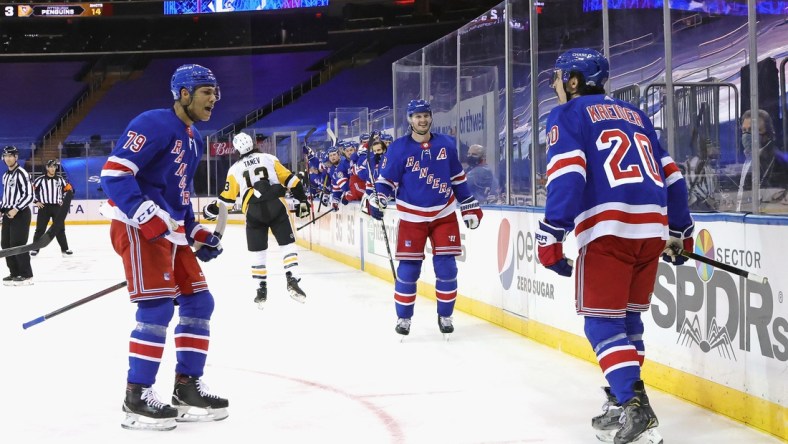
(551, 250)
(345, 199)
(302, 209)
(679, 240)
(471, 213)
(334, 204)
(210, 211)
(376, 205)
(211, 243)
(325, 200)
(153, 221)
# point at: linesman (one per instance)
(15, 207)
(48, 197)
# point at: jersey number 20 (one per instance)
(620, 143)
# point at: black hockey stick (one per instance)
(221, 223)
(723, 266)
(75, 304)
(315, 220)
(382, 223)
(58, 223)
(306, 172)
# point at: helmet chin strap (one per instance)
(186, 108)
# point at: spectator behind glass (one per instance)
(773, 162)
(480, 176)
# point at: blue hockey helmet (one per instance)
(363, 137)
(323, 156)
(332, 149)
(192, 77)
(418, 106)
(587, 61)
(388, 138)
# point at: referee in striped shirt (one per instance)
(15, 206)
(48, 197)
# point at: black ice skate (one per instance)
(262, 295)
(295, 291)
(607, 424)
(638, 421)
(191, 392)
(144, 411)
(403, 326)
(445, 325)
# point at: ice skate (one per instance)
(403, 327)
(66, 253)
(637, 419)
(262, 295)
(8, 281)
(445, 325)
(607, 424)
(20, 281)
(295, 291)
(191, 393)
(144, 411)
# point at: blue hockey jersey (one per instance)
(155, 159)
(428, 177)
(607, 173)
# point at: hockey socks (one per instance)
(405, 288)
(146, 344)
(445, 284)
(616, 355)
(192, 334)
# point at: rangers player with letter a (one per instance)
(148, 179)
(610, 181)
(424, 170)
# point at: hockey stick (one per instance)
(315, 220)
(331, 135)
(306, 172)
(322, 192)
(75, 304)
(58, 223)
(382, 223)
(221, 224)
(723, 266)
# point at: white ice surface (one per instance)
(331, 370)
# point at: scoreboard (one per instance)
(57, 10)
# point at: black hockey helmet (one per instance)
(53, 162)
(10, 150)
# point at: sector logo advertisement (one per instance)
(717, 312)
(505, 254)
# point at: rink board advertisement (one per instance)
(704, 322)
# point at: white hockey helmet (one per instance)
(243, 143)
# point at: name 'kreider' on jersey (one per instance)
(428, 177)
(155, 159)
(612, 147)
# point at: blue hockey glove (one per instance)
(550, 248)
(679, 240)
(376, 205)
(207, 253)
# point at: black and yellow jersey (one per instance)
(249, 170)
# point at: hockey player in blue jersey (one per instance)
(610, 181)
(339, 175)
(148, 180)
(423, 169)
